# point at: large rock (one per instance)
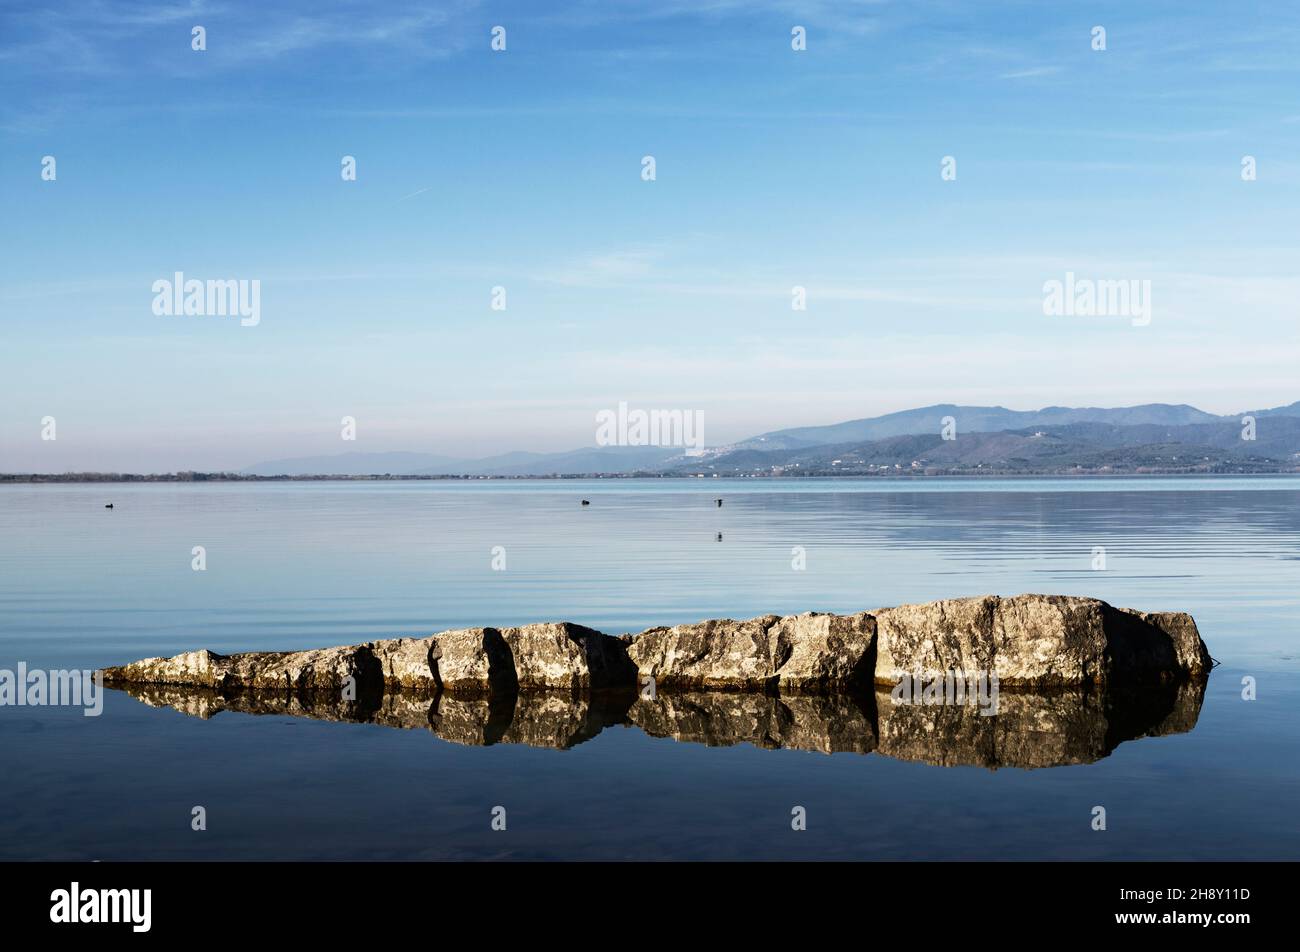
(326, 670)
(1025, 640)
(322, 669)
(200, 668)
(473, 661)
(564, 656)
(1036, 640)
(1148, 637)
(407, 663)
(816, 652)
(720, 654)
(809, 653)
(952, 635)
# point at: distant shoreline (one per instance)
(188, 477)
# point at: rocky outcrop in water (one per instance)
(1077, 677)
(1038, 641)
(321, 669)
(1025, 641)
(568, 657)
(471, 661)
(813, 652)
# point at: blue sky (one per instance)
(521, 169)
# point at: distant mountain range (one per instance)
(1149, 438)
(1091, 448)
(989, 420)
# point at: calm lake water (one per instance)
(298, 565)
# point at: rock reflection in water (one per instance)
(535, 719)
(557, 721)
(1035, 730)
(1029, 730)
(832, 724)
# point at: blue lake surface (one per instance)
(298, 565)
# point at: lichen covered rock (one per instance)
(564, 656)
(473, 661)
(1036, 640)
(407, 663)
(816, 652)
(200, 668)
(326, 670)
(720, 654)
(1023, 640)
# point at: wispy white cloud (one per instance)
(604, 270)
(418, 191)
(1032, 72)
(104, 36)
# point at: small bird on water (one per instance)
(719, 503)
(109, 506)
(586, 502)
